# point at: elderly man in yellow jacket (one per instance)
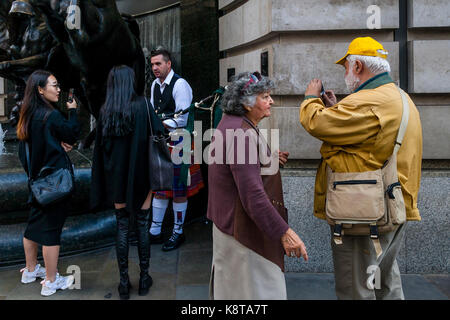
(358, 135)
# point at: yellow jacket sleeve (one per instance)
(341, 124)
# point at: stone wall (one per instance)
(303, 39)
(425, 249)
(162, 29)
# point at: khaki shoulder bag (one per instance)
(371, 202)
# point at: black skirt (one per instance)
(45, 224)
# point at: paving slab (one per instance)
(193, 292)
(183, 274)
(9, 279)
(194, 267)
(442, 281)
(416, 287)
(310, 286)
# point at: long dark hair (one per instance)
(116, 115)
(32, 101)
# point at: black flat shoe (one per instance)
(158, 239)
(174, 242)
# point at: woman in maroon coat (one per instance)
(245, 201)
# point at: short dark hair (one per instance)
(165, 53)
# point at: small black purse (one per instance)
(160, 161)
(52, 185)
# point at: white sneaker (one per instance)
(49, 288)
(28, 277)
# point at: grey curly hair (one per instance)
(239, 93)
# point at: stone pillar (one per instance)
(199, 46)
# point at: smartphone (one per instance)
(70, 99)
(322, 91)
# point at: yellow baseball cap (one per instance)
(364, 46)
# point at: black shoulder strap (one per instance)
(149, 119)
(174, 79)
(156, 88)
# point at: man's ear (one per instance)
(358, 67)
(169, 63)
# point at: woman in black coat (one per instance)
(48, 135)
(120, 172)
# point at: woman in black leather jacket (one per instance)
(48, 134)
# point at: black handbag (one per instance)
(52, 185)
(160, 162)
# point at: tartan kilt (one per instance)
(180, 190)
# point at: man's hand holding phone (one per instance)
(315, 88)
(328, 98)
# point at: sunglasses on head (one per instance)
(255, 77)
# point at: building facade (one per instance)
(294, 41)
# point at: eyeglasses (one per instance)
(255, 77)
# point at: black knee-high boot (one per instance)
(123, 221)
(142, 222)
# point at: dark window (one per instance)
(231, 72)
(265, 64)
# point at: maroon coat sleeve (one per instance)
(251, 191)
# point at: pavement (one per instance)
(183, 274)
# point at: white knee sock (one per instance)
(179, 213)
(159, 207)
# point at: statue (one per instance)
(25, 44)
(5, 6)
(40, 34)
(34, 34)
(104, 39)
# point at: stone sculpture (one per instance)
(40, 34)
(35, 34)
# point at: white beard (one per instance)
(352, 81)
